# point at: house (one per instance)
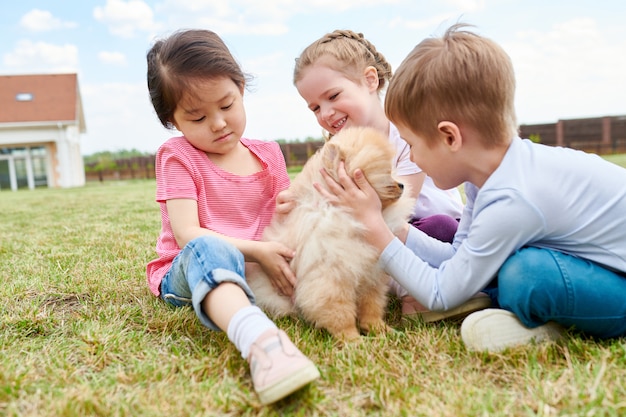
(41, 122)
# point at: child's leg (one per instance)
(229, 308)
(541, 285)
(204, 264)
(277, 367)
(209, 274)
(439, 226)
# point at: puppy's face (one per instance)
(369, 150)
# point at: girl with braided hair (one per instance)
(341, 77)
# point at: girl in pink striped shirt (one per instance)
(217, 192)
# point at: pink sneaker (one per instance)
(277, 367)
(412, 310)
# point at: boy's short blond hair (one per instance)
(460, 77)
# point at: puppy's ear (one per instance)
(331, 157)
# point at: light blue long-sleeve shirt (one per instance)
(542, 196)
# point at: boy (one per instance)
(547, 225)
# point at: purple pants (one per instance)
(439, 226)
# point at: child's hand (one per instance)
(356, 195)
(285, 202)
(274, 258)
(361, 199)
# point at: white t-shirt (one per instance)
(431, 200)
(541, 196)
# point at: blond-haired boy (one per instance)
(544, 226)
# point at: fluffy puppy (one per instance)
(339, 283)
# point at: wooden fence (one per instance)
(600, 135)
(140, 167)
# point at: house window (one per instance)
(38, 156)
(24, 97)
(21, 172)
(5, 174)
(23, 168)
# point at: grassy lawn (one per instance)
(81, 335)
(619, 159)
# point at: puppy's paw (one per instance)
(375, 327)
(347, 335)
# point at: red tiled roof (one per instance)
(55, 97)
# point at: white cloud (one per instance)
(264, 110)
(253, 17)
(120, 116)
(571, 69)
(114, 58)
(124, 18)
(241, 26)
(565, 67)
(238, 16)
(267, 65)
(42, 20)
(441, 20)
(42, 57)
(468, 5)
(311, 6)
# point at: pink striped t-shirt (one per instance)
(233, 205)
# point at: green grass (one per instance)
(81, 335)
(619, 159)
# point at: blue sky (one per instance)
(569, 56)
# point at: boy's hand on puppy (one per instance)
(358, 196)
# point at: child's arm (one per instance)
(361, 199)
(272, 256)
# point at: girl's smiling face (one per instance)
(336, 100)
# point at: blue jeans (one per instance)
(541, 285)
(202, 265)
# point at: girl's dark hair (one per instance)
(178, 61)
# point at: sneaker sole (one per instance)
(470, 306)
(494, 330)
(289, 385)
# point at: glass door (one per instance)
(5, 174)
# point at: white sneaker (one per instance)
(496, 329)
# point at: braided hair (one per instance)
(350, 54)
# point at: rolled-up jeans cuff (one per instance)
(203, 288)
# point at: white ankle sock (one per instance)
(246, 326)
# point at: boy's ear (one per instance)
(450, 133)
(371, 78)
